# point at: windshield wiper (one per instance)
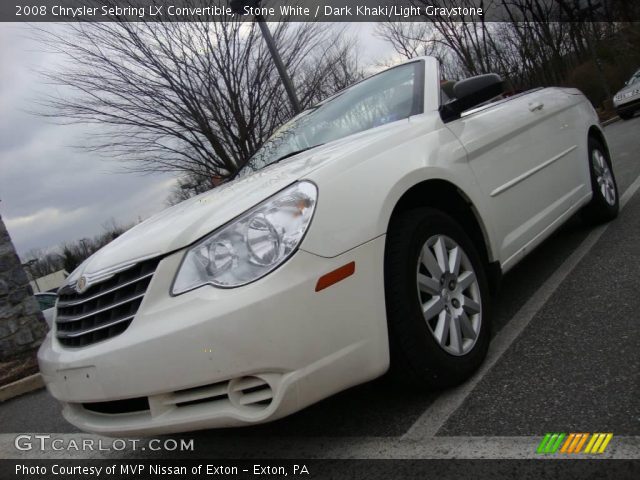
(295, 152)
(284, 157)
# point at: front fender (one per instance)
(357, 195)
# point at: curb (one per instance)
(610, 121)
(20, 387)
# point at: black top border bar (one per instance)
(320, 10)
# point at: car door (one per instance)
(523, 155)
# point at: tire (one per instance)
(418, 359)
(625, 115)
(604, 204)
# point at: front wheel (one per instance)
(437, 300)
(604, 204)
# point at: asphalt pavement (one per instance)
(574, 366)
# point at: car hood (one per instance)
(187, 222)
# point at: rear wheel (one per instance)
(437, 300)
(605, 203)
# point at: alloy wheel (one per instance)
(604, 178)
(449, 295)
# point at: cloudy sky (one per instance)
(51, 192)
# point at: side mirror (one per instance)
(470, 93)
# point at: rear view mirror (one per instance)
(471, 92)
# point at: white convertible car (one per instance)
(367, 234)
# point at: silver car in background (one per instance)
(627, 100)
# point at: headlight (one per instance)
(252, 245)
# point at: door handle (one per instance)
(533, 106)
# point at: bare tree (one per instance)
(409, 39)
(538, 43)
(46, 262)
(197, 97)
(191, 184)
(413, 39)
(69, 255)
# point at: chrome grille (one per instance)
(105, 309)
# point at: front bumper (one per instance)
(627, 105)
(228, 357)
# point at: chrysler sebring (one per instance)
(366, 235)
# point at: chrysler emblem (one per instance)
(81, 285)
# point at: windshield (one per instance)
(387, 97)
(635, 78)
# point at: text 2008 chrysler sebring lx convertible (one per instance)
(367, 234)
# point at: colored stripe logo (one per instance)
(595, 443)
